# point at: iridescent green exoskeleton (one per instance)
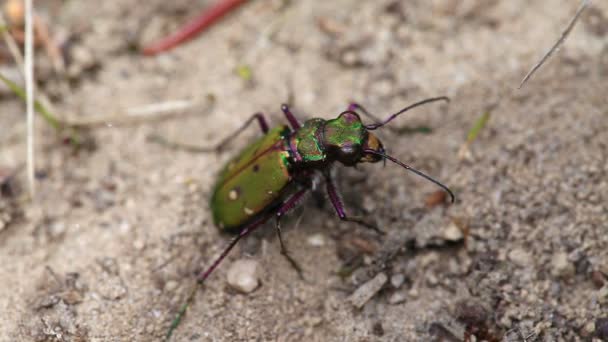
(253, 181)
(270, 176)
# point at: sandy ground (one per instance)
(108, 249)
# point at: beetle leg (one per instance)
(219, 146)
(286, 254)
(285, 207)
(245, 231)
(337, 203)
(293, 122)
(261, 121)
(204, 275)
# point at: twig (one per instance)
(152, 112)
(29, 89)
(160, 108)
(207, 17)
(560, 41)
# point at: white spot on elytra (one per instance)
(248, 211)
(233, 194)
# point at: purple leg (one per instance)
(245, 231)
(261, 121)
(204, 275)
(219, 146)
(289, 204)
(337, 203)
(293, 122)
(285, 207)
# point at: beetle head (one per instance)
(349, 141)
(345, 138)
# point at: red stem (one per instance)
(208, 17)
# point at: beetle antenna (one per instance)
(420, 103)
(409, 168)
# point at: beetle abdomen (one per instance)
(252, 181)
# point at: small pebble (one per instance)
(397, 297)
(71, 297)
(139, 244)
(452, 233)
(598, 279)
(366, 291)
(520, 257)
(589, 328)
(432, 279)
(465, 154)
(316, 240)
(82, 59)
(561, 267)
(397, 280)
(112, 289)
(170, 286)
(57, 229)
(369, 204)
(243, 275)
(149, 329)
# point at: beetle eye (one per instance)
(347, 149)
(348, 153)
(350, 117)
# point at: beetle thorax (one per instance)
(306, 143)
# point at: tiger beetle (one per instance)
(271, 175)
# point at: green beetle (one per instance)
(270, 176)
(236, 198)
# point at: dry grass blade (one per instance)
(557, 44)
(134, 116)
(29, 89)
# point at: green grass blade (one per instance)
(50, 118)
(478, 126)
